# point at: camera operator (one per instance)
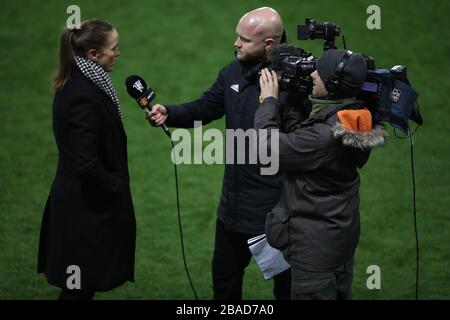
(246, 195)
(316, 223)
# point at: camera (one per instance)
(386, 92)
(294, 67)
(389, 95)
(313, 29)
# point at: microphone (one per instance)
(138, 90)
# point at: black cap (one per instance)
(353, 74)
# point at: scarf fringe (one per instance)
(100, 78)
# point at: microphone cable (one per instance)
(179, 223)
(411, 141)
(138, 90)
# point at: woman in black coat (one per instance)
(88, 232)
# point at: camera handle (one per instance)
(329, 44)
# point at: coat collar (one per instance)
(112, 110)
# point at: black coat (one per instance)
(89, 217)
(247, 195)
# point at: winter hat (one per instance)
(353, 74)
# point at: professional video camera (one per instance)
(386, 92)
(294, 67)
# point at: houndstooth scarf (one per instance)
(100, 78)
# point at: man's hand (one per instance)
(157, 116)
(268, 82)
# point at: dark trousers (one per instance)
(231, 257)
(333, 285)
(74, 294)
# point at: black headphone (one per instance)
(334, 84)
(283, 37)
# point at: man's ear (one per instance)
(269, 44)
(92, 55)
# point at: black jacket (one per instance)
(89, 217)
(316, 222)
(247, 195)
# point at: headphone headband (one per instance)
(334, 84)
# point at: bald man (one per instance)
(247, 196)
(258, 31)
